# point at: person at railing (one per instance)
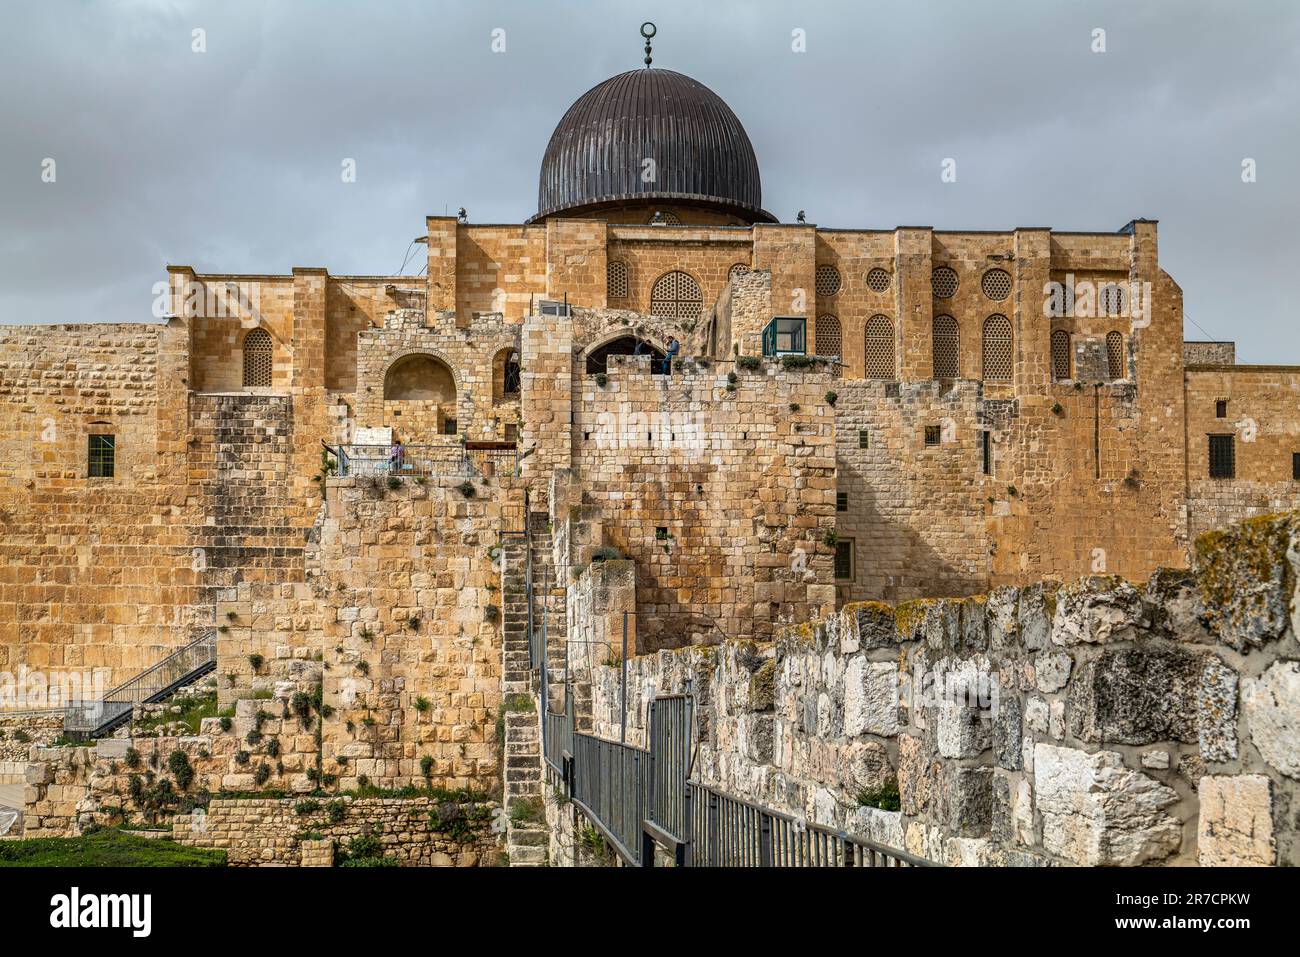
(396, 456)
(674, 347)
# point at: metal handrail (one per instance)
(425, 460)
(87, 716)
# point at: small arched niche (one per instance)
(420, 396)
(623, 346)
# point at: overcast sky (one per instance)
(230, 160)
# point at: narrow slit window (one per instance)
(841, 501)
(864, 439)
(844, 559)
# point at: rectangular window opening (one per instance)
(101, 456)
(864, 439)
(844, 559)
(986, 451)
(841, 501)
(1223, 464)
(932, 435)
(1221, 409)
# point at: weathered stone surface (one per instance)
(1216, 711)
(1136, 696)
(1156, 760)
(1037, 609)
(1008, 733)
(1236, 823)
(916, 775)
(865, 765)
(1245, 581)
(1036, 714)
(876, 626)
(1097, 610)
(962, 731)
(1272, 706)
(870, 698)
(883, 827)
(966, 800)
(1052, 670)
(1095, 811)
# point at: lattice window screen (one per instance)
(879, 349)
(998, 361)
(944, 282)
(947, 348)
(664, 218)
(996, 284)
(878, 280)
(676, 296)
(257, 359)
(1060, 354)
(1113, 300)
(1115, 355)
(739, 269)
(829, 338)
(616, 280)
(827, 280)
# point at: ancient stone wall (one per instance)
(722, 492)
(912, 506)
(1262, 415)
(416, 832)
(1098, 723)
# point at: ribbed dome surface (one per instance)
(701, 152)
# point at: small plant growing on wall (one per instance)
(1012, 491)
(413, 623)
(1058, 409)
(422, 704)
(832, 398)
(601, 379)
(254, 738)
(232, 616)
(363, 666)
(256, 661)
(242, 757)
(262, 774)
(225, 723)
(132, 757)
(794, 406)
(831, 538)
(885, 797)
(367, 634)
(394, 482)
(273, 747)
(467, 489)
(426, 766)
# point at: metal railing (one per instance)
(557, 736)
(729, 832)
(87, 718)
(671, 720)
(423, 461)
(608, 784)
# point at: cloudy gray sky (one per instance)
(229, 160)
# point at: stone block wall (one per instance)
(1094, 723)
(417, 832)
(721, 492)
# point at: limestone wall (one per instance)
(417, 832)
(1095, 723)
(721, 492)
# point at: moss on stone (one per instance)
(762, 687)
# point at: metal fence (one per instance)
(729, 832)
(423, 461)
(84, 718)
(671, 720)
(608, 783)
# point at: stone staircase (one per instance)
(526, 841)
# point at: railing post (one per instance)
(848, 852)
(764, 841)
(713, 829)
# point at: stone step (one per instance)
(527, 856)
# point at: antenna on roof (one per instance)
(648, 31)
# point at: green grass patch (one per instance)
(191, 717)
(107, 847)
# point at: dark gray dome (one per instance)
(701, 153)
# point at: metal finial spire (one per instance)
(648, 31)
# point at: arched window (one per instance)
(1060, 354)
(1115, 355)
(676, 295)
(997, 348)
(947, 348)
(258, 356)
(879, 348)
(737, 269)
(510, 377)
(829, 339)
(616, 280)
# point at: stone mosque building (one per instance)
(853, 415)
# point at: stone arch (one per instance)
(616, 342)
(507, 374)
(421, 394)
